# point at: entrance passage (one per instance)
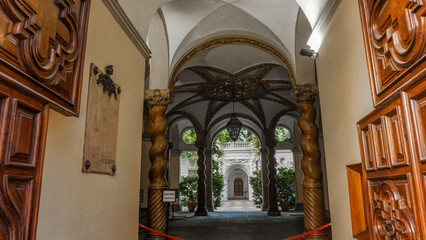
(238, 187)
(237, 225)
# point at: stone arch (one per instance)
(233, 172)
(231, 40)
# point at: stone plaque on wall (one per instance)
(100, 144)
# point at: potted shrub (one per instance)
(188, 192)
(286, 188)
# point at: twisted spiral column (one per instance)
(272, 178)
(311, 166)
(157, 210)
(201, 191)
(209, 180)
(265, 182)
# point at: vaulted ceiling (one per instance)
(192, 55)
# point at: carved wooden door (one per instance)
(238, 187)
(41, 59)
(393, 136)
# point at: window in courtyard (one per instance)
(189, 136)
(282, 134)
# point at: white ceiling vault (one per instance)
(259, 77)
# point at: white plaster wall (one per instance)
(345, 99)
(80, 206)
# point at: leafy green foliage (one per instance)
(286, 185)
(192, 156)
(256, 185)
(189, 136)
(282, 134)
(218, 185)
(188, 189)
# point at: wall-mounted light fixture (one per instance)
(309, 53)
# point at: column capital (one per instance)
(159, 97)
(307, 92)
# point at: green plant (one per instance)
(282, 134)
(256, 185)
(188, 189)
(218, 185)
(189, 136)
(286, 185)
(192, 156)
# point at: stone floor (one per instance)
(237, 225)
(237, 219)
(238, 205)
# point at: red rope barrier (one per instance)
(310, 232)
(295, 237)
(160, 233)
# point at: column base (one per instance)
(273, 212)
(210, 208)
(201, 212)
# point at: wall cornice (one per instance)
(128, 27)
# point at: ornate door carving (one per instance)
(238, 187)
(42, 46)
(41, 60)
(393, 136)
(395, 43)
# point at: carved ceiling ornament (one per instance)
(221, 88)
(227, 41)
(229, 87)
(307, 92)
(159, 97)
(392, 218)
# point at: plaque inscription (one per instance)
(100, 144)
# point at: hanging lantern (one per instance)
(234, 126)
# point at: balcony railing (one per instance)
(236, 145)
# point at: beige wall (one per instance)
(82, 206)
(345, 99)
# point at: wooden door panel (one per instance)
(22, 135)
(42, 45)
(238, 187)
(395, 43)
(392, 210)
(43, 42)
(23, 131)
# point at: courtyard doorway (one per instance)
(238, 187)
